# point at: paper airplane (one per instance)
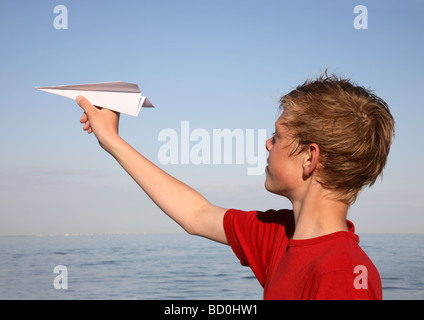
(117, 95)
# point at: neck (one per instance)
(316, 215)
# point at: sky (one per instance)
(206, 66)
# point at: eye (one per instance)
(273, 137)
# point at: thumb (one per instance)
(85, 105)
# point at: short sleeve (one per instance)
(259, 239)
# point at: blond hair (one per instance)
(352, 127)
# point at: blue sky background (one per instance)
(218, 64)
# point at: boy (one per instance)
(331, 140)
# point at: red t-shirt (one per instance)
(332, 266)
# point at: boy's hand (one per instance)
(103, 123)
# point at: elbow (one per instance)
(190, 229)
(193, 225)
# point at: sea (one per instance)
(170, 267)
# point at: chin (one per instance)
(271, 188)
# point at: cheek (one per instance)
(283, 171)
(276, 172)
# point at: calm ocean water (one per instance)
(171, 267)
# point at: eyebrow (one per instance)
(275, 130)
(281, 121)
(278, 125)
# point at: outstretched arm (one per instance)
(180, 202)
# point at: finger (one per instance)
(84, 118)
(85, 105)
(86, 126)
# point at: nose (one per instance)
(268, 144)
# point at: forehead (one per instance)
(280, 124)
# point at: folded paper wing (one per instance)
(117, 95)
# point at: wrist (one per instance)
(110, 144)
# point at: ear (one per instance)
(310, 159)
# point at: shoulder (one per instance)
(267, 221)
(340, 252)
(259, 238)
(281, 216)
(345, 271)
